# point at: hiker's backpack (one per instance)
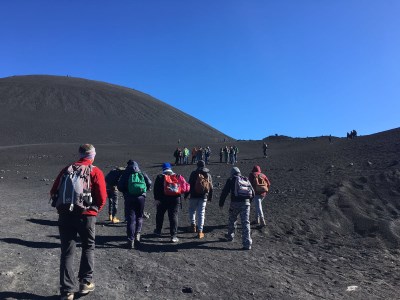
(202, 185)
(172, 185)
(243, 188)
(260, 184)
(112, 177)
(74, 190)
(136, 184)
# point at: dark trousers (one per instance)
(70, 226)
(112, 196)
(134, 209)
(172, 206)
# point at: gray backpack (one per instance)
(74, 190)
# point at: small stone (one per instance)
(351, 164)
(352, 288)
(369, 163)
(187, 290)
(26, 177)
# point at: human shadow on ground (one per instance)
(150, 245)
(43, 222)
(30, 244)
(27, 296)
(109, 241)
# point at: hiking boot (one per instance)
(110, 218)
(193, 228)
(157, 232)
(85, 287)
(174, 239)
(115, 220)
(67, 296)
(262, 223)
(201, 235)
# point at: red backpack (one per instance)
(175, 185)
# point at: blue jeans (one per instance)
(70, 226)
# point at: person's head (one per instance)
(133, 164)
(235, 171)
(201, 164)
(166, 167)
(87, 151)
(256, 169)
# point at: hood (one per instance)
(203, 169)
(256, 169)
(134, 165)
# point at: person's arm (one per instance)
(99, 192)
(210, 193)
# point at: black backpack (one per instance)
(112, 177)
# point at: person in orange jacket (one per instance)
(76, 221)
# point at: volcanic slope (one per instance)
(60, 109)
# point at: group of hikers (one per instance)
(198, 153)
(80, 192)
(352, 134)
(229, 154)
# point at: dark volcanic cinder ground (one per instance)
(333, 226)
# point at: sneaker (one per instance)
(137, 237)
(193, 228)
(174, 239)
(228, 237)
(67, 296)
(130, 244)
(201, 235)
(86, 287)
(246, 248)
(115, 220)
(157, 232)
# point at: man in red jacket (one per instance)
(82, 222)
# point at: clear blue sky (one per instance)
(248, 68)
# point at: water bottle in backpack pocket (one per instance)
(74, 189)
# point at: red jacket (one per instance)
(257, 170)
(97, 183)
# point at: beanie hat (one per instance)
(87, 151)
(130, 162)
(166, 166)
(235, 171)
(201, 163)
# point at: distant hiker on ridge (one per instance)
(265, 147)
(134, 183)
(201, 191)
(79, 194)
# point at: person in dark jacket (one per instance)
(112, 193)
(239, 206)
(259, 196)
(166, 203)
(70, 224)
(134, 204)
(198, 200)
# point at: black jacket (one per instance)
(123, 181)
(230, 188)
(192, 182)
(159, 189)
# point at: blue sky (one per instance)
(248, 68)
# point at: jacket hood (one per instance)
(203, 169)
(135, 166)
(256, 169)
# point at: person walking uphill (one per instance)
(134, 184)
(261, 186)
(79, 194)
(201, 191)
(168, 188)
(112, 193)
(241, 194)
